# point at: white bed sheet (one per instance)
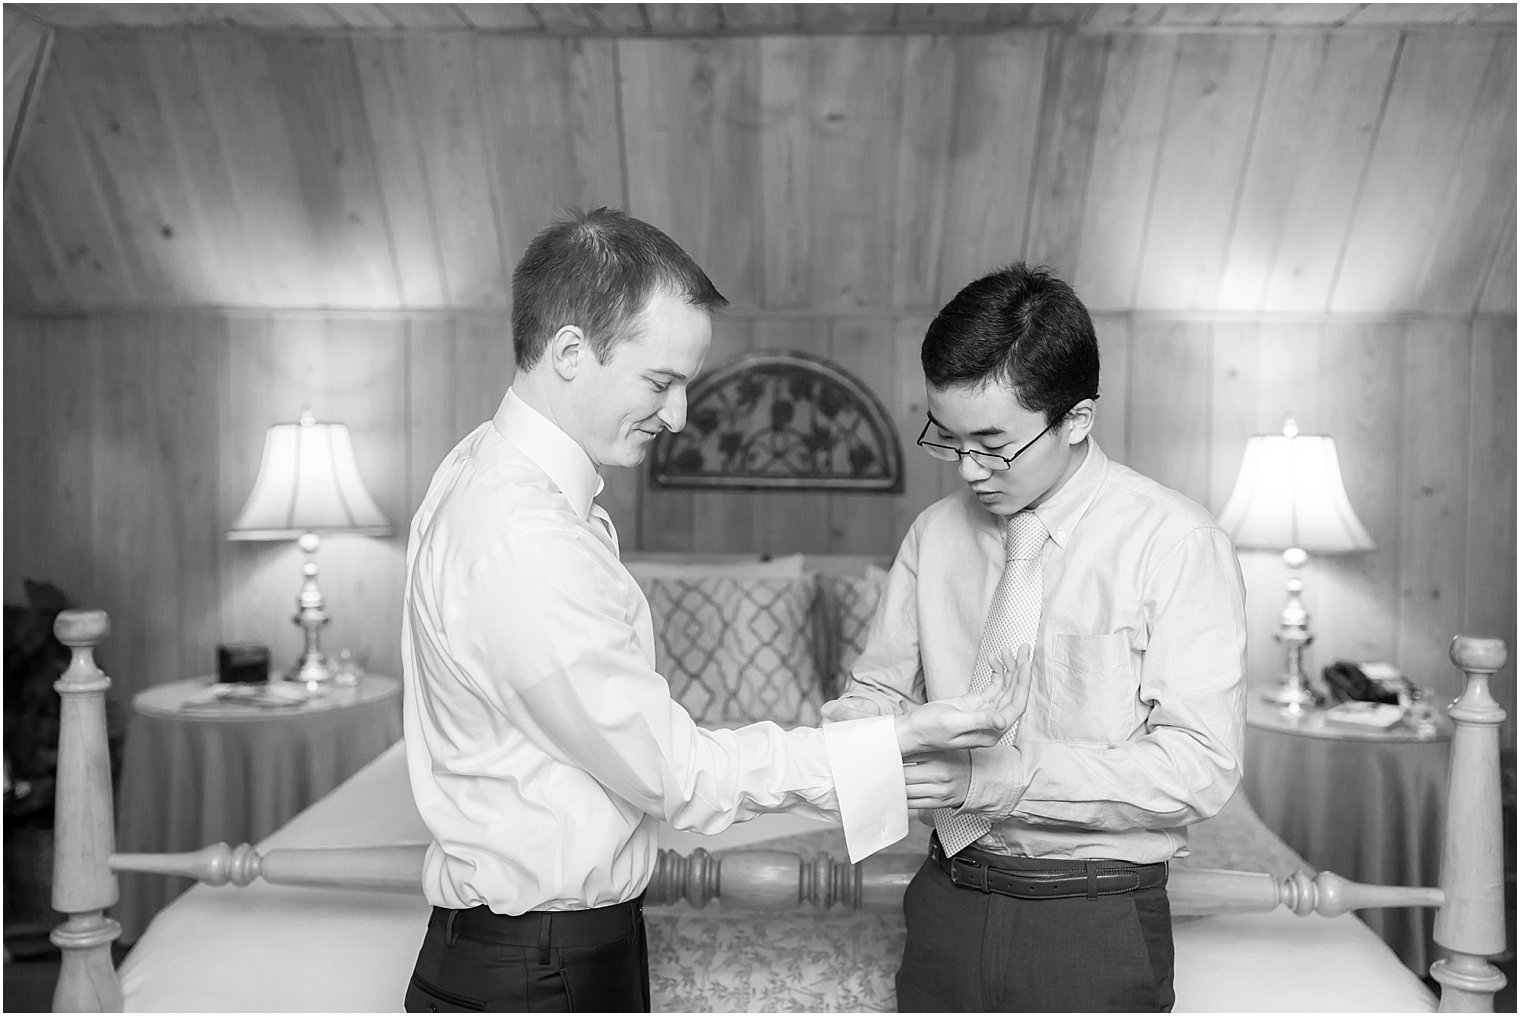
(276, 949)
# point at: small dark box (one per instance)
(242, 663)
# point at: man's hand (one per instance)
(940, 780)
(975, 719)
(851, 707)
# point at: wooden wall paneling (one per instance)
(688, 18)
(852, 110)
(1126, 145)
(785, 186)
(909, 405)
(1433, 526)
(1321, 102)
(283, 15)
(1211, 119)
(933, 16)
(923, 166)
(58, 173)
(365, 387)
(425, 16)
(243, 107)
(1429, 106)
(563, 17)
(550, 115)
(1489, 599)
(1170, 383)
(775, 18)
(32, 274)
(153, 490)
(1458, 255)
(375, 16)
(1498, 293)
(494, 16)
(431, 427)
(110, 87)
(1355, 597)
(999, 80)
(446, 104)
(27, 47)
(401, 165)
(866, 523)
(29, 431)
(788, 522)
(845, 17)
(692, 125)
(317, 86)
(483, 368)
(598, 173)
(1072, 99)
(215, 213)
(721, 521)
(1111, 422)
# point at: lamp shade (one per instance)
(1290, 494)
(308, 482)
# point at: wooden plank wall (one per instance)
(209, 230)
(1358, 171)
(132, 441)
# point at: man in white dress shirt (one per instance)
(1045, 890)
(543, 747)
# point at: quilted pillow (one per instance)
(737, 649)
(846, 605)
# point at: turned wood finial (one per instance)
(81, 627)
(1479, 655)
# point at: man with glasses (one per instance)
(1045, 888)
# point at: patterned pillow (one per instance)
(846, 605)
(737, 650)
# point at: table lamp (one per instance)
(1290, 497)
(308, 484)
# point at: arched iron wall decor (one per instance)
(780, 420)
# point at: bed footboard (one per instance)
(1470, 899)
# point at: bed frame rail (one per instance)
(1470, 901)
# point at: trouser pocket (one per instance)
(423, 996)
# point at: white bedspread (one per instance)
(274, 949)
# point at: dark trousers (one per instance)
(970, 951)
(566, 961)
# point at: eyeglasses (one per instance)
(987, 460)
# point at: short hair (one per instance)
(1018, 326)
(596, 270)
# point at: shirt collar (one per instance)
(1064, 509)
(551, 449)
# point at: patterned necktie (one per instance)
(1012, 621)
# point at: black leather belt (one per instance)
(1044, 880)
(542, 928)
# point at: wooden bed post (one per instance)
(1471, 924)
(83, 885)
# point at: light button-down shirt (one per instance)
(543, 747)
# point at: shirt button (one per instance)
(1060, 534)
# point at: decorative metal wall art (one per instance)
(781, 420)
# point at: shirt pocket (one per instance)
(1092, 691)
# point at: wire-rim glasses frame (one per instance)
(988, 460)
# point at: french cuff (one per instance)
(997, 781)
(868, 780)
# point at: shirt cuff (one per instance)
(997, 781)
(868, 780)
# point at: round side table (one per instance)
(200, 770)
(1369, 805)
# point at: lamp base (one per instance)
(311, 670)
(1293, 696)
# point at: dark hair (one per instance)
(1022, 327)
(596, 270)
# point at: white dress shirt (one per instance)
(1135, 723)
(543, 747)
